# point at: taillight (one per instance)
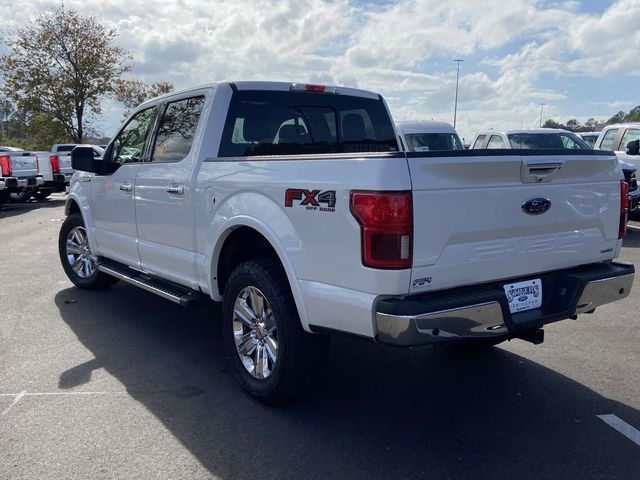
(624, 208)
(386, 225)
(55, 163)
(37, 165)
(5, 166)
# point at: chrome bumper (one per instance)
(579, 290)
(473, 321)
(601, 292)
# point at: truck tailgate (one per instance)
(24, 165)
(65, 164)
(471, 224)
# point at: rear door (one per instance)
(470, 225)
(165, 192)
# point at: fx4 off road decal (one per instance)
(311, 199)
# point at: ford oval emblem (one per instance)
(536, 205)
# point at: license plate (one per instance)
(523, 296)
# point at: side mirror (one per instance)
(633, 147)
(82, 159)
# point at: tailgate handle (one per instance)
(539, 172)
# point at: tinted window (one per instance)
(629, 136)
(176, 130)
(293, 123)
(128, 145)
(547, 141)
(607, 140)
(425, 142)
(65, 148)
(496, 141)
(479, 141)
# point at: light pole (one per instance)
(541, 107)
(455, 108)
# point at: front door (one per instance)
(165, 192)
(112, 202)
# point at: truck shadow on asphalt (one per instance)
(378, 412)
(13, 209)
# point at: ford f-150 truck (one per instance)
(20, 174)
(294, 206)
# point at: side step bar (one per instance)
(176, 293)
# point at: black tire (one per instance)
(97, 280)
(21, 196)
(4, 198)
(300, 355)
(42, 195)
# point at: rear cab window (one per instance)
(428, 142)
(560, 141)
(262, 122)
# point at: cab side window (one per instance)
(609, 137)
(177, 129)
(629, 136)
(129, 144)
(479, 141)
(496, 142)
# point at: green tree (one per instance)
(574, 125)
(61, 66)
(618, 117)
(132, 93)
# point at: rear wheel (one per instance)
(270, 353)
(79, 263)
(4, 198)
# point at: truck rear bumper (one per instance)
(482, 311)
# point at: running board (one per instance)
(176, 293)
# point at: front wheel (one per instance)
(270, 353)
(78, 262)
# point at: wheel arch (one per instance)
(249, 229)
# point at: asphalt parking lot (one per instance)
(123, 384)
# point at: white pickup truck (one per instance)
(294, 206)
(19, 174)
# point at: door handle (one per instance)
(175, 189)
(126, 187)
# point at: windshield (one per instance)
(293, 123)
(426, 142)
(558, 141)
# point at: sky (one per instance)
(580, 59)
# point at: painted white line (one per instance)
(15, 400)
(42, 394)
(621, 426)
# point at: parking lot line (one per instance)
(621, 426)
(15, 400)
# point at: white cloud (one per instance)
(517, 52)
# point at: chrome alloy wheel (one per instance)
(79, 254)
(255, 333)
